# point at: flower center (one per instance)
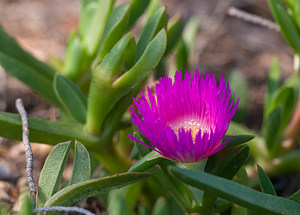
(191, 125)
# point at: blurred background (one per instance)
(224, 44)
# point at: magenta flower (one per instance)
(186, 120)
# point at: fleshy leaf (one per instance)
(44, 131)
(73, 58)
(138, 8)
(237, 193)
(102, 95)
(180, 191)
(26, 208)
(152, 27)
(287, 25)
(146, 162)
(94, 17)
(182, 57)
(26, 68)
(71, 98)
(231, 164)
(108, 95)
(150, 58)
(226, 168)
(271, 127)
(110, 65)
(52, 172)
(237, 140)
(144, 150)
(273, 84)
(190, 33)
(264, 181)
(72, 194)
(287, 98)
(81, 164)
(239, 86)
(161, 207)
(130, 54)
(295, 197)
(174, 31)
(117, 203)
(115, 26)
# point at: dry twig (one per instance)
(252, 18)
(63, 209)
(28, 151)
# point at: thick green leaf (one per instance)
(70, 97)
(287, 25)
(295, 197)
(72, 194)
(26, 68)
(175, 208)
(137, 9)
(296, 13)
(150, 58)
(287, 98)
(105, 96)
(73, 58)
(237, 193)
(124, 200)
(101, 91)
(153, 26)
(190, 33)
(81, 165)
(38, 82)
(144, 150)
(226, 168)
(264, 181)
(273, 84)
(107, 70)
(232, 162)
(94, 16)
(11, 49)
(142, 210)
(130, 54)
(180, 191)
(115, 26)
(146, 162)
(133, 193)
(52, 172)
(43, 131)
(117, 203)
(161, 207)
(174, 30)
(153, 7)
(237, 140)
(26, 208)
(182, 58)
(88, 10)
(271, 128)
(239, 86)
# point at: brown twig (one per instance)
(252, 18)
(28, 151)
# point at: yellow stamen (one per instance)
(191, 125)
